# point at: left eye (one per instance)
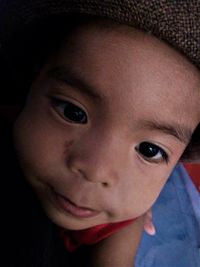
(70, 111)
(151, 152)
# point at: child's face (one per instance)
(105, 122)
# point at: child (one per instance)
(103, 124)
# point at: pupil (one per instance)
(148, 150)
(74, 113)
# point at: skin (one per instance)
(100, 164)
(119, 249)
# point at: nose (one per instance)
(99, 158)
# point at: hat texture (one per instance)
(175, 21)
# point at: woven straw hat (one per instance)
(175, 21)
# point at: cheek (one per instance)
(149, 193)
(39, 146)
(139, 194)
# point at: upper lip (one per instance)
(74, 203)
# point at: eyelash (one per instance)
(142, 148)
(150, 149)
(74, 114)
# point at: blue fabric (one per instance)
(177, 239)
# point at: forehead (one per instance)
(122, 64)
(112, 44)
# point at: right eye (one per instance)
(70, 111)
(152, 152)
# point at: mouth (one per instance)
(71, 208)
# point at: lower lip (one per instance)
(71, 208)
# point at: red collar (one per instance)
(73, 239)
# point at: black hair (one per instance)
(29, 49)
(192, 151)
(32, 239)
(25, 53)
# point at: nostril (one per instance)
(90, 174)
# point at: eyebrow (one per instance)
(70, 77)
(67, 76)
(180, 132)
